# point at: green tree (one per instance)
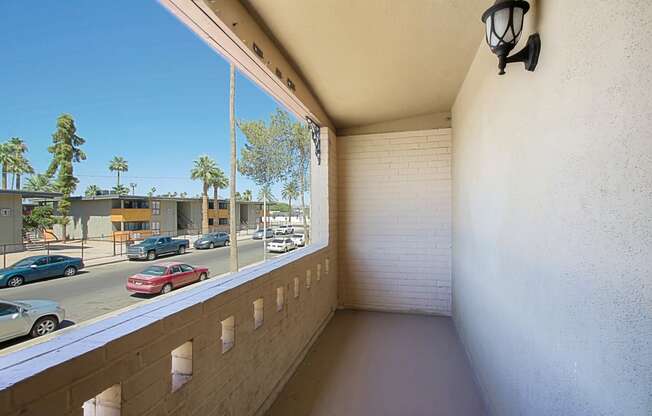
(204, 170)
(265, 193)
(39, 183)
(65, 150)
(238, 196)
(218, 181)
(290, 191)
(91, 191)
(41, 218)
(19, 165)
(247, 195)
(7, 160)
(299, 149)
(120, 190)
(118, 164)
(151, 192)
(264, 158)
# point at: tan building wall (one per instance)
(395, 221)
(553, 216)
(89, 219)
(167, 217)
(11, 224)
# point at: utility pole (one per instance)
(233, 250)
(264, 226)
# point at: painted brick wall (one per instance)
(394, 221)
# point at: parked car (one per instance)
(35, 268)
(34, 317)
(299, 239)
(258, 234)
(281, 245)
(152, 247)
(163, 277)
(284, 230)
(212, 240)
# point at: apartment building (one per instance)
(11, 215)
(128, 217)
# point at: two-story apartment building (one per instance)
(128, 216)
(11, 216)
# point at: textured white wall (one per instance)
(552, 216)
(394, 221)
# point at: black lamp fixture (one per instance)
(504, 24)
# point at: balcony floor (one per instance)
(372, 363)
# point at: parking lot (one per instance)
(98, 290)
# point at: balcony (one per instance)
(131, 214)
(221, 213)
(492, 258)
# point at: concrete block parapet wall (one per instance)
(136, 351)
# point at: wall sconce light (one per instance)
(504, 24)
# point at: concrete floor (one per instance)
(372, 363)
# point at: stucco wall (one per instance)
(11, 226)
(167, 217)
(552, 216)
(394, 221)
(88, 219)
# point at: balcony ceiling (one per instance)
(377, 60)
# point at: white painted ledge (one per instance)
(69, 343)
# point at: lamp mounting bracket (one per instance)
(529, 55)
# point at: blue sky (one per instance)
(137, 81)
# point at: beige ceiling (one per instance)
(376, 60)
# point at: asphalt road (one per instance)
(101, 289)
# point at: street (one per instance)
(101, 289)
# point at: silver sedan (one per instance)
(34, 317)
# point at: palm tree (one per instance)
(20, 164)
(218, 181)
(290, 191)
(118, 164)
(39, 183)
(7, 160)
(92, 191)
(66, 151)
(120, 190)
(247, 195)
(266, 194)
(204, 170)
(151, 192)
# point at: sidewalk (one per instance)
(95, 253)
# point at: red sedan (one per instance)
(163, 277)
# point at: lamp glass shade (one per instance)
(504, 25)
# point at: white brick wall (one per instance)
(394, 221)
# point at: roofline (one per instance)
(30, 194)
(156, 198)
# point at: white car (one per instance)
(299, 239)
(284, 230)
(33, 317)
(281, 245)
